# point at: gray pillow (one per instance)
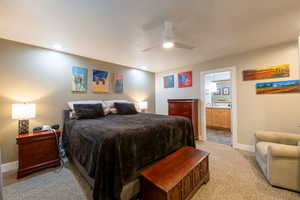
(88, 111)
(125, 108)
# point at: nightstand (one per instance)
(37, 151)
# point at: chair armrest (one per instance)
(298, 143)
(287, 151)
(277, 137)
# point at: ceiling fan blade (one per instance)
(184, 46)
(150, 48)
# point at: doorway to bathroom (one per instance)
(218, 107)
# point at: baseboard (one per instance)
(6, 167)
(244, 147)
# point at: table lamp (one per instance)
(23, 112)
(143, 106)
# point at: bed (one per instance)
(110, 151)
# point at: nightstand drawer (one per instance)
(37, 151)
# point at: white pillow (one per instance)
(113, 111)
(110, 103)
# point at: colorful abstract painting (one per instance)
(292, 86)
(169, 81)
(100, 81)
(79, 79)
(185, 79)
(278, 71)
(118, 82)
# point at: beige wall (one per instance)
(44, 76)
(278, 112)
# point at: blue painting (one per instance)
(169, 81)
(100, 81)
(79, 79)
(292, 86)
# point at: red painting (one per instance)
(185, 79)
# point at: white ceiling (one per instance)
(117, 30)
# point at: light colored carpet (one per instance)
(234, 176)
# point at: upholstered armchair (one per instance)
(278, 155)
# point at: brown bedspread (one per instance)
(113, 149)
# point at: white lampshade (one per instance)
(23, 111)
(143, 105)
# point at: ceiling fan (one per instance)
(168, 39)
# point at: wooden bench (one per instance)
(176, 177)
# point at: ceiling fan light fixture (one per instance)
(168, 45)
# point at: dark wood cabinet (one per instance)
(37, 151)
(176, 177)
(187, 108)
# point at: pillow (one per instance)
(125, 108)
(71, 103)
(113, 111)
(72, 114)
(110, 103)
(105, 108)
(88, 111)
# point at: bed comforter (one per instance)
(113, 149)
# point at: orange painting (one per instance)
(278, 71)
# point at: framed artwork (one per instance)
(118, 81)
(100, 81)
(79, 79)
(169, 81)
(279, 71)
(223, 94)
(185, 79)
(225, 91)
(292, 86)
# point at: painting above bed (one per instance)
(100, 81)
(79, 79)
(118, 82)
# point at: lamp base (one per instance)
(23, 126)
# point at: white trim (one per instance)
(245, 147)
(233, 107)
(6, 167)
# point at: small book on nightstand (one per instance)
(37, 151)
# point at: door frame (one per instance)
(233, 107)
